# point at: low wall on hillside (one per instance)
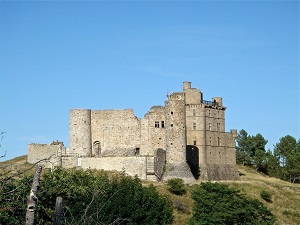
(131, 165)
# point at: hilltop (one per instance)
(284, 204)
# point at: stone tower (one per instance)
(80, 132)
(175, 115)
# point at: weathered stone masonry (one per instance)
(184, 138)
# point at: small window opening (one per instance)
(194, 126)
(162, 124)
(171, 124)
(137, 151)
(171, 112)
(157, 124)
(195, 143)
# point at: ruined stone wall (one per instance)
(47, 155)
(153, 130)
(118, 132)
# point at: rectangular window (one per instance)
(194, 112)
(194, 126)
(157, 124)
(162, 124)
(195, 143)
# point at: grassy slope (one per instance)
(285, 203)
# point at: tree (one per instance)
(286, 145)
(95, 197)
(216, 203)
(258, 150)
(287, 151)
(272, 165)
(293, 165)
(243, 148)
(251, 149)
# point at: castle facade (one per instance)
(185, 138)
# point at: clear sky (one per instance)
(59, 55)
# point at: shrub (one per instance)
(89, 197)
(176, 186)
(216, 203)
(92, 197)
(266, 195)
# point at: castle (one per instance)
(185, 139)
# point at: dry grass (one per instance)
(285, 204)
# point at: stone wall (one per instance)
(117, 131)
(153, 130)
(37, 152)
(131, 165)
(47, 155)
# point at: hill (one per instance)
(284, 204)
(285, 196)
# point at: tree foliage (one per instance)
(89, 197)
(251, 149)
(92, 197)
(282, 162)
(216, 203)
(13, 200)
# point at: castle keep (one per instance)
(185, 138)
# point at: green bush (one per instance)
(92, 197)
(176, 186)
(13, 199)
(266, 195)
(216, 203)
(89, 197)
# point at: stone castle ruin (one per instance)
(185, 139)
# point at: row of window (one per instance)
(162, 125)
(219, 141)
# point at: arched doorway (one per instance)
(192, 158)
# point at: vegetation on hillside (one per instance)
(282, 162)
(216, 203)
(97, 197)
(89, 197)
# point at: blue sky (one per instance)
(55, 56)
